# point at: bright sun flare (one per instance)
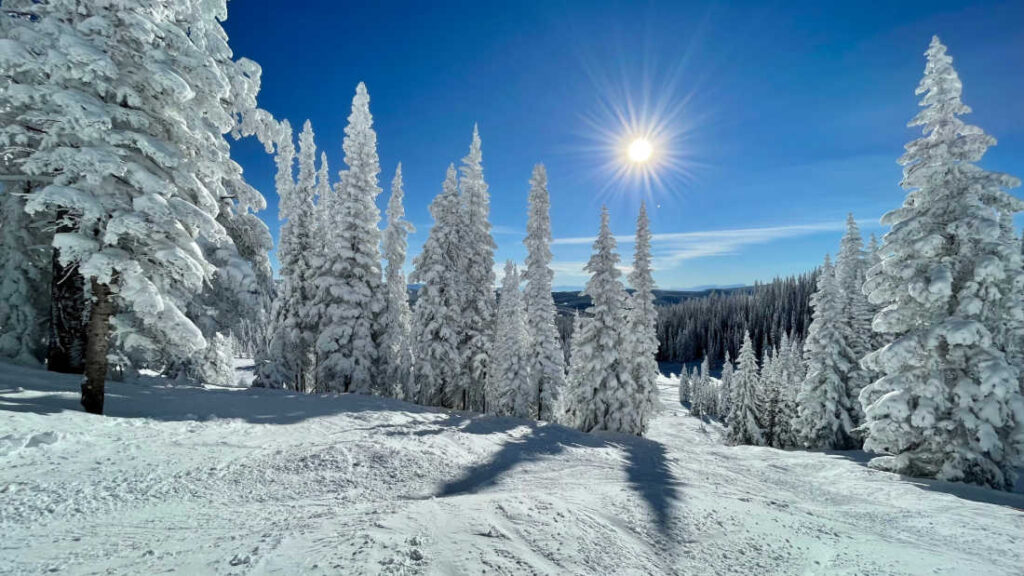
(640, 150)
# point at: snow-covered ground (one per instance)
(203, 481)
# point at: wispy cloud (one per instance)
(669, 249)
(571, 271)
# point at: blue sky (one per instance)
(772, 119)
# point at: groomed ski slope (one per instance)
(213, 481)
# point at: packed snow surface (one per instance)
(190, 480)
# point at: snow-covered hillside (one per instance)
(217, 481)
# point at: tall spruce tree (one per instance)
(745, 414)
(547, 364)
(948, 403)
(600, 373)
(826, 414)
(478, 304)
(641, 332)
(857, 312)
(396, 346)
(349, 298)
(725, 389)
(508, 382)
(436, 314)
(284, 365)
(139, 171)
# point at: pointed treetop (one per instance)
(511, 278)
(540, 175)
(475, 156)
(396, 182)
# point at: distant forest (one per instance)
(711, 322)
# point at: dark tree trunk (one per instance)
(97, 342)
(67, 313)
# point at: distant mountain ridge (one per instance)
(568, 301)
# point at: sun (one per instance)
(640, 150)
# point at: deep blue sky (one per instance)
(780, 117)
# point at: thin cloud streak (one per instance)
(669, 249)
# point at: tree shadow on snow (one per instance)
(647, 470)
(34, 390)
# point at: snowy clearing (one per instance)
(216, 481)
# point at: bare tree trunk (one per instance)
(97, 343)
(67, 313)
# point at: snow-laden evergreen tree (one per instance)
(725, 389)
(604, 396)
(703, 402)
(568, 414)
(684, 387)
(745, 426)
(790, 377)
(948, 403)
(826, 416)
(396, 346)
(476, 335)
(509, 391)
(547, 364)
(1008, 319)
(878, 339)
(135, 104)
(284, 365)
(641, 334)
(850, 271)
(437, 312)
(770, 392)
(291, 360)
(349, 300)
(24, 284)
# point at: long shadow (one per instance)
(649, 475)
(972, 492)
(647, 468)
(34, 390)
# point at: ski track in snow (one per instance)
(247, 482)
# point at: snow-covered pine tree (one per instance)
(139, 170)
(684, 387)
(642, 330)
(745, 425)
(568, 412)
(547, 364)
(1009, 317)
(65, 295)
(878, 339)
(850, 271)
(349, 297)
(396, 346)
(508, 383)
(284, 366)
(790, 377)
(770, 392)
(292, 358)
(476, 335)
(705, 401)
(24, 285)
(599, 374)
(436, 314)
(826, 416)
(725, 389)
(948, 404)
